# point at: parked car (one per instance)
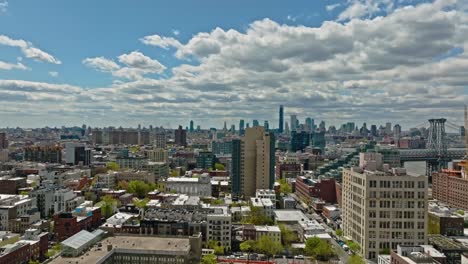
(299, 257)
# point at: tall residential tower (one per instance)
(253, 162)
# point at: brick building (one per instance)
(323, 189)
(11, 185)
(450, 187)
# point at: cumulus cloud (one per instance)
(12, 66)
(163, 42)
(136, 65)
(29, 50)
(101, 64)
(367, 70)
(138, 60)
(53, 74)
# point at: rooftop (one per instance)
(161, 245)
(283, 215)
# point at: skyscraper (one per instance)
(266, 125)
(255, 123)
(191, 126)
(3, 140)
(253, 161)
(281, 119)
(293, 123)
(309, 124)
(180, 136)
(241, 127)
(397, 131)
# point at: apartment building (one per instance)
(383, 207)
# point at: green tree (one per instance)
(141, 203)
(113, 166)
(339, 232)
(285, 187)
(319, 249)
(217, 201)
(219, 166)
(209, 259)
(267, 246)
(33, 262)
(174, 173)
(356, 259)
(218, 249)
(138, 188)
(247, 246)
(257, 217)
(287, 236)
(353, 246)
(384, 251)
(90, 196)
(107, 205)
(311, 244)
(24, 193)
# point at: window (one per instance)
(421, 185)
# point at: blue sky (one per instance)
(327, 59)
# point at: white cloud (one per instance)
(332, 7)
(176, 32)
(53, 74)
(101, 64)
(136, 65)
(11, 66)
(3, 6)
(163, 42)
(366, 70)
(29, 50)
(138, 60)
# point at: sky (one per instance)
(164, 63)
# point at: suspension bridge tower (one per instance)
(437, 143)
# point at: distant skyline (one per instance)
(124, 63)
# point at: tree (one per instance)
(267, 246)
(141, 203)
(356, 259)
(33, 262)
(112, 166)
(219, 166)
(217, 201)
(209, 259)
(90, 196)
(353, 246)
(319, 249)
(24, 193)
(284, 186)
(257, 217)
(287, 236)
(107, 205)
(174, 173)
(311, 244)
(122, 185)
(138, 188)
(339, 232)
(218, 249)
(247, 246)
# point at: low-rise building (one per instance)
(273, 232)
(323, 189)
(264, 205)
(200, 186)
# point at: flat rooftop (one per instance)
(290, 216)
(173, 246)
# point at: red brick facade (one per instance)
(323, 189)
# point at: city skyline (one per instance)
(124, 65)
